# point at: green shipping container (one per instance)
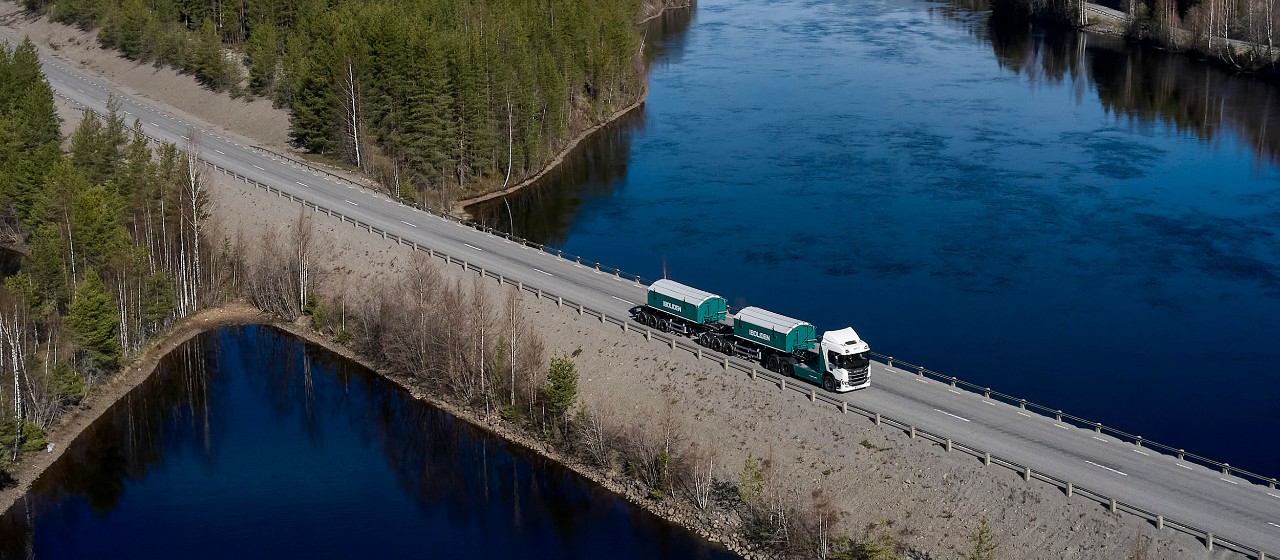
(693, 304)
(774, 330)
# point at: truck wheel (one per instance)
(829, 383)
(771, 364)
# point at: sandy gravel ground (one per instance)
(931, 500)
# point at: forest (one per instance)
(439, 99)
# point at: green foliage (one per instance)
(751, 480)
(158, 300)
(510, 412)
(879, 545)
(28, 132)
(33, 438)
(984, 543)
(96, 324)
(561, 390)
(66, 385)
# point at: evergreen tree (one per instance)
(561, 390)
(96, 324)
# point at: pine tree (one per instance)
(561, 390)
(984, 544)
(95, 323)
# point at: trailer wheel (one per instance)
(829, 383)
(772, 364)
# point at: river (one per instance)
(250, 443)
(1068, 218)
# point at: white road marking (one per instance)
(952, 415)
(1063, 426)
(154, 124)
(1272, 495)
(473, 246)
(221, 152)
(407, 223)
(1106, 467)
(955, 391)
(260, 168)
(349, 202)
(922, 381)
(1272, 524)
(990, 403)
(1025, 414)
(301, 183)
(1099, 439)
(1140, 452)
(1231, 481)
(1183, 466)
(623, 300)
(543, 272)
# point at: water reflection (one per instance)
(545, 211)
(1147, 86)
(247, 441)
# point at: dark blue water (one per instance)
(250, 444)
(1069, 219)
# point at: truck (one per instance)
(838, 361)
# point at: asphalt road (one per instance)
(1228, 506)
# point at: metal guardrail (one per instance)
(1059, 415)
(754, 372)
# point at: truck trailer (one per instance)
(838, 361)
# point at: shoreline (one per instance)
(458, 209)
(72, 424)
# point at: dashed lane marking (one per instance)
(349, 202)
(955, 391)
(990, 403)
(473, 246)
(301, 183)
(922, 381)
(1108, 468)
(543, 272)
(623, 300)
(1140, 452)
(1272, 495)
(259, 168)
(1063, 426)
(1183, 466)
(953, 415)
(407, 223)
(1099, 439)
(1228, 481)
(1272, 524)
(221, 152)
(1024, 414)
(155, 124)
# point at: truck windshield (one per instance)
(850, 361)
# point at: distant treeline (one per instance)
(422, 93)
(1241, 33)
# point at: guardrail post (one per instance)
(648, 334)
(1112, 506)
(1026, 474)
(726, 363)
(921, 371)
(813, 395)
(889, 363)
(601, 317)
(1070, 489)
(1226, 468)
(1208, 540)
(953, 381)
(579, 309)
(844, 407)
(986, 458)
(913, 432)
(465, 265)
(877, 419)
(673, 343)
(1059, 413)
(1022, 403)
(699, 353)
(1138, 441)
(1097, 427)
(539, 294)
(1182, 454)
(782, 384)
(948, 445)
(1262, 555)
(1159, 522)
(753, 373)
(986, 392)
(625, 328)
(502, 279)
(520, 285)
(1273, 483)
